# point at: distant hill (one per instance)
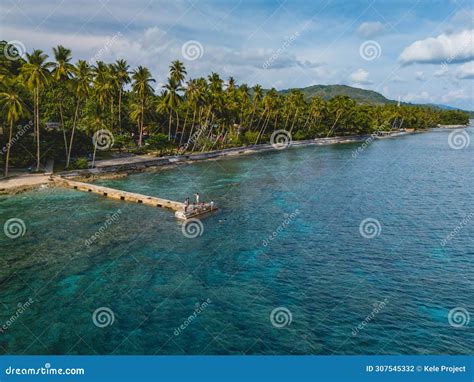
(330, 91)
(360, 95)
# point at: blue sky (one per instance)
(420, 51)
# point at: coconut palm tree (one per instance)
(172, 99)
(177, 71)
(62, 72)
(269, 102)
(13, 109)
(35, 72)
(123, 77)
(82, 87)
(141, 87)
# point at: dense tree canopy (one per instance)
(58, 106)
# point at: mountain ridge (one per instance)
(360, 95)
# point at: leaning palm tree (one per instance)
(257, 97)
(12, 107)
(172, 100)
(82, 86)
(62, 72)
(123, 78)
(36, 75)
(141, 87)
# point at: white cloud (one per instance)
(441, 72)
(424, 96)
(454, 95)
(361, 77)
(457, 47)
(371, 29)
(420, 75)
(397, 79)
(466, 71)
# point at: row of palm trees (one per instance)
(200, 114)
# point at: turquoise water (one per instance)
(317, 265)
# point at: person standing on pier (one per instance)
(197, 198)
(186, 204)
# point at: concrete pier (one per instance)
(120, 195)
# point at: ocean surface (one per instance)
(315, 250)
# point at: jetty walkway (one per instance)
(119, 194)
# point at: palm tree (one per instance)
(13, 109)
(141, 86)
(82, 83)
(171, 102)
(177, 71)
(103, 84)
(269, 102)
(338, 106)
(62, 72)
(123, 77)
(35, 73)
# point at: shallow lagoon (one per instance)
(317, 265)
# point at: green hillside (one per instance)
(362, 96)
(329, 91)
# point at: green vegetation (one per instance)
(51, 110)
(330, 91)
(453, 117)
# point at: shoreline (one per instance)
(122, 167)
